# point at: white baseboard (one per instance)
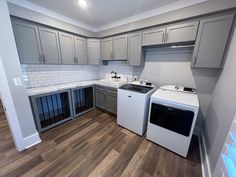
(31, 140)
(206, 169)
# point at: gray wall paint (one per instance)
(172, 66)
(24, 13)
(11, 69)
(184, 13)
(222, 107)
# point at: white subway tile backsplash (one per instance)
(45, 75)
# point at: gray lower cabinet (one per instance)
(211, 42)
(27, 42)
(93, 46)
(106, 98)
(50, 45)
(100, 97)
(111, 101)
(80, 50)
(185, 32)
(135, 54)
(51, 109)
(67, 48)
(82, 100)
(106, 49)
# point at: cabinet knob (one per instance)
(195, 60)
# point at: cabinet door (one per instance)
(81, 50)
(27, 41)
(111, 101)
(211, 41)
(135, 57)
(93, 51)
(106, 49)
(50, 45)
(153, 36)
(120, 49)
(67, 48)
(182, 32)
(100, 94)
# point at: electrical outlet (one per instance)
(17, 81)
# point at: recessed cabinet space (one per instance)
(50, 45)
(83, 100)
(179, 33)
(114, 48)
(51, 109)
(211, 42)
(93, 47)
(27, 42)
(135, 54)
(106, 98)
(73, 49)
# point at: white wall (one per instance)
(15, 98)
(222, 107)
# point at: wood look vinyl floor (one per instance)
(94, 146)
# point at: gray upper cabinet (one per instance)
(67, 48)
(28, 43)
(182, 32)
(106, 49)
(120, 47)
(81, 50)
(135, 55)
(93, 46)
(211, 41)
(50, 45)
(153, 36)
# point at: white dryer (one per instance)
(172, 116)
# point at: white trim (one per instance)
(32, 140)
(206, 169)
(50, 13)
(158, 11)
(161, 10)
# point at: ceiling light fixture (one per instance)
(83, 4)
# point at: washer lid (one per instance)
(177, 97)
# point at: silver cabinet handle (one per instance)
(75, 60)
(195, 60)
(40, 59)
(44, 59)
(163, 38)
(167, 37)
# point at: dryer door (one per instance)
(174, 119)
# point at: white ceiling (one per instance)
(101, 12)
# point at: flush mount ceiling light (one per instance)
(83, 4)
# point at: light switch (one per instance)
(17, 81)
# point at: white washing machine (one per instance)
(133, 106)
(172, 116)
